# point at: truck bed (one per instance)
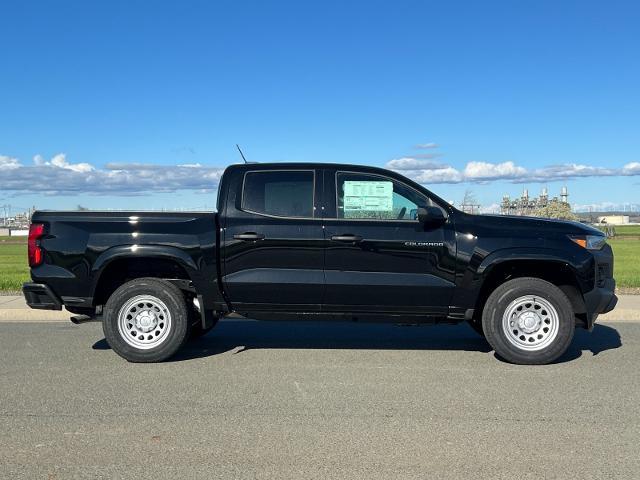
(88, 252)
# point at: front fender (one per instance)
(479, 269)
(542, 254)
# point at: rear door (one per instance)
(272, 240)
(379, 257)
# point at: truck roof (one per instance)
(288, 165)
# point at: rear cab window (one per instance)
(279, 193)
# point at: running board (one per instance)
(80, 319)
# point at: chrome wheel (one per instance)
(530, 323)
(144, 322)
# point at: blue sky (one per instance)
(101, 102)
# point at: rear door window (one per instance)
(279, 193)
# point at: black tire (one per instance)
(560, 319)
(177, 330)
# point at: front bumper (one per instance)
(600, 300)
(40, 296)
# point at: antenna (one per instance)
(241, 154)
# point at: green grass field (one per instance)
(626, 230)
(14, 270)
(626, 262)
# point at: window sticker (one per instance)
(370, 196)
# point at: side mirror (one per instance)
(431, 215)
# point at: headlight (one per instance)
(590, 242)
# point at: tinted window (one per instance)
(375, 197)
(279, 193)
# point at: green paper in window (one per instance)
(368, 196)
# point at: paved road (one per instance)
(286, 400)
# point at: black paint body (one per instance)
(293, 267)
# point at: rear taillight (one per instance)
(36, 231)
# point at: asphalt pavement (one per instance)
(312, 400)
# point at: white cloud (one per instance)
(59, 176)
(425, 146)
(569, 171)
(632, 168)
(9, 163)
(484, 171)
(60, 161)
(411, 163)
(442, 174)
(424, 171)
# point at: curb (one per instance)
(22, 315)
(620, 315)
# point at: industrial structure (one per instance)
(526, 205)
(14, 223)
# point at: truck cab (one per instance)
(330, 239)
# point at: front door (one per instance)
(378, 256)
(272, 241)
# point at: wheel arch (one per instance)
(121, 264)
(556, 271)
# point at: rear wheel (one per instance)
(528, 321)
(146, 320)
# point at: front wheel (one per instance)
(528, 321)
(146, 320)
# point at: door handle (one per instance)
(348, 238)
(248, 236)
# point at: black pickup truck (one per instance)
(321, 241)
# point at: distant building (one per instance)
(614, 219)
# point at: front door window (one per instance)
(373, 197)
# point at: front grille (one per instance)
(603, 272)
